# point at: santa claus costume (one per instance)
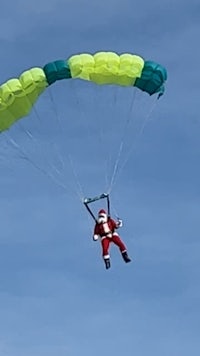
(105, 230)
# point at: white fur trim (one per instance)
(102, 220)
(115, 234)
(120, 223)
(106, 227)
(107, 230)
(106, 257)
(95, 237)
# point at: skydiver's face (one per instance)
(102, 219)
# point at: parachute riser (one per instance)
(87, 201)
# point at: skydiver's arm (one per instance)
(117, 224)
(95, 235)
(120, 223)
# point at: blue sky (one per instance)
(56, 298)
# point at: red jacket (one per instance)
(106, 229)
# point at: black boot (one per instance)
(107, 262)
(125, 257)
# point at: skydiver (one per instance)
(105, 230)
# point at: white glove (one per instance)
(95, 237)
(120, 223)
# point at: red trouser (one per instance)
(105, 242)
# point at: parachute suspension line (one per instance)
(54, 106)
(31, 136)
(3, 159)
(107, 157)
(121, 145)
(115, 212)
(116, 165)
(132, 104)
(89, 135)
(57, 116)
(25, 157)
(37, 114)
(146, 120)
(90, 224)
(79, 189)
(107, 166)
(54, 145)
(101, 138)
(27, 132)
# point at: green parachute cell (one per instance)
(17, 96)
(152, 78)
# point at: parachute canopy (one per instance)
(17, 96)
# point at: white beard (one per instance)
(102, 220)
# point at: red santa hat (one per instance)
(102, 212)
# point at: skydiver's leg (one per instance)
(117, 241)
(105, 242)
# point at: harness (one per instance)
(87, 201)
(106, 233)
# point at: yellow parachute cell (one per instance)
(107, 68)
(17, 96)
